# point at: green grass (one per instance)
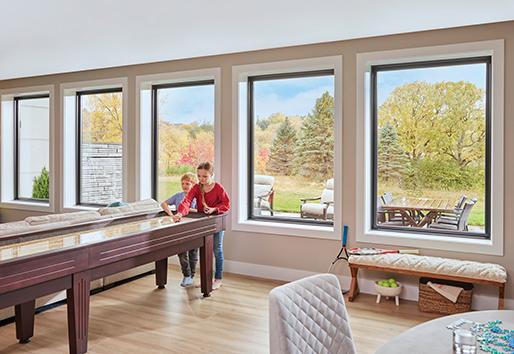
(290, 189)
(168, 186)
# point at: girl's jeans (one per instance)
(218, 254)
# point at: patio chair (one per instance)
(386, 217)
(323, 210)
(392, 218)
(263, 193)
(453, 217)
(462, 222)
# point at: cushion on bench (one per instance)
(435, 265)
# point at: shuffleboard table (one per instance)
(41, 263)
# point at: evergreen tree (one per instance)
(41, 185)
(281, 158)
(315, 153)
(391, 158)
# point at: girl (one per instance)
(212, 199)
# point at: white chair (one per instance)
(322, 210)
(263, 193)
(308, 316)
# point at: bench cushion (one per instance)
(434, 265)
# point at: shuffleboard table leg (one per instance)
(206, 265)
(78, 312)
(161, 273)
(24, 315)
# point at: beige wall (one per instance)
(296, 252)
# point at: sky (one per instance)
(388, 80)
(298, 96)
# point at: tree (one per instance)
(315, 152)
(390, 156)
(172, 139)
(41, 185)
(443, 120)
(102, 119)
(281, 158)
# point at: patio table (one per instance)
(427, 208)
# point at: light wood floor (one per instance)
(138, 318)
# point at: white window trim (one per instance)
(9, 94)
(239, 221)
(143, 190)
(70, 89)
(494, 246)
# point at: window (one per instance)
(31, 147)
(183, 132)
(291, 147)
(99, 146)
(431, 147)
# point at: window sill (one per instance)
(71, 209)
(287, 229)
(27, 205)
(436, 242)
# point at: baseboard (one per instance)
(367, 286)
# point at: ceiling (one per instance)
(52, 36)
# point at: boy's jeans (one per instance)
(188, 262)
(218, 254)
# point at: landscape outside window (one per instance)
(33, 149)
(431, 139)
(292, 120)
(185, 132)
(101, 150)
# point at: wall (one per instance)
(297, 254)
(101, 173)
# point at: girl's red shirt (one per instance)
(215, 198)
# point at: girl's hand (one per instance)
(209, 210)
(177, 217)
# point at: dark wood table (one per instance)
(41, 263)
(427, 208)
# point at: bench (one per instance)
(432, 267)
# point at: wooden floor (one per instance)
(137, 318)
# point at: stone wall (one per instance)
(101, 173)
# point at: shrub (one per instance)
(442, 175)
(179, 170)
(41, 185)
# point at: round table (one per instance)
(433, 336)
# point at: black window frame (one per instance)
(78, 137)
(374, 70)
(16, 121)
(251, 140)
(155, 125)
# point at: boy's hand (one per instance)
(209, 210)
(177, 217)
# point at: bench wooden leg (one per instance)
(354, 286)
(501, 297)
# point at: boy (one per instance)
(189, 259)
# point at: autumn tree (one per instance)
(281, 158)
(315, 152)
(102, 118)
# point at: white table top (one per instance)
(433, 336)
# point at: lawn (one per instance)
(290, 189)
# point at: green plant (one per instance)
(41, 185)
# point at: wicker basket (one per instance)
(431, 301)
